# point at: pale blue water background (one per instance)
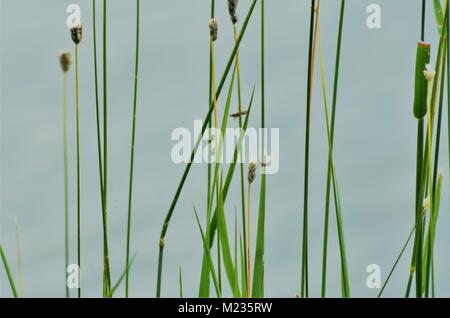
(375, 141)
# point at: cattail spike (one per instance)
(213, 29)
(65, 59)
(77, 33)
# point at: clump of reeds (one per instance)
(194, 150)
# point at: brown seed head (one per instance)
(65, 60)
(76, 33)
(232, 6)
(251, 172)
(213, 29)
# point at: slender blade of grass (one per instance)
(78, 172)
(208, 254)
(133, 133)
(107, 274)
(241, 166)
(396, 262)
(121, 278)
(333, 119)
(304, 274)
(205, 281)
(258, 270)
(224, 242)
(66, 188)
(344, 270)
(8, 273)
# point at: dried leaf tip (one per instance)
(213, 29)
(232, 6)
(76, 33)
(65, 59)
(251, 172)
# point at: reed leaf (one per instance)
(209, 258)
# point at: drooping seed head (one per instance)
(251, 172)
(213, 29)
(232, 6)
(76, 33)
(65, 59)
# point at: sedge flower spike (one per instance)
(65, 60)
(76, 33)
(251, 172)
(213, 27)
(232, 6)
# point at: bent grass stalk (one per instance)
(127, 257)
(333, 117)
(197, 143)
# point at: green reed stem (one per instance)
(416, 262)
(132, 147)
(333, 117)
(8, 273)
(244, 231)
(78, 173)
(105, 156)
(205, 276)
(106, 276)
(197, 143)
(337, 202)
(258, 268)
(304, 277)
(66, 186)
